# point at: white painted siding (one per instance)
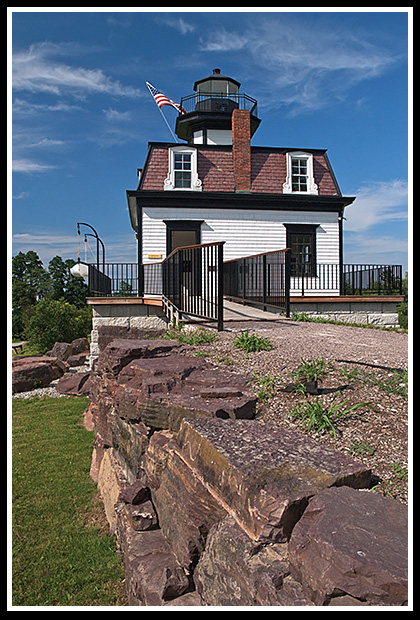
(245, 232)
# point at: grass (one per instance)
(389, 381)
(312, 370)
(251, 343)
(266, 386)
(195, 337)
(319, 418)
(61, 553)
(306, 318)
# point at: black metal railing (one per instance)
(218, 102)
(359, 279)
(262, 279)
(99, 284)
(256, 279)
(372, 280)
(152, 278)
(192, 282)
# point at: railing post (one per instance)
(220, 287)
(264, 292)
(287, 271)
(243, 279)
(302, 278)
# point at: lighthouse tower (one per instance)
(209, 110)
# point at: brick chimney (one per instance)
(241, 150)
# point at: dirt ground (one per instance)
(367, 366)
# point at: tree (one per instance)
(64, 285)
(30, 283)
(55, 320)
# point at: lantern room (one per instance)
(208, 111)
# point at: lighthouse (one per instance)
(209, 111)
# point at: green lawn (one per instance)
(61, 552)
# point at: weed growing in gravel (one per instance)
(361, 447)
(312, 370)
(391, 381)
(265, 384)
(196, 337)
(319, 418)
(251, 343)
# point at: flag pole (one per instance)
(151, 89)
(167, 124)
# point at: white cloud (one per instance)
(27, 166)
(366, 248)
(377, 203)
(47, 244)
(178, 23)
(308, 65)
(38, 70)
(115, 115)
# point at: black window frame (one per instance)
(293, 230)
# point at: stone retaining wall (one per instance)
(212, 507)
(382, 313)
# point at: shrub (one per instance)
(251, 342)
(57, 321)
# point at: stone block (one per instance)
(74, 384)
(32, 372)
(234, 570)
(119, 353)
(153, 576)
(161, 392)
(111, 481)
(261, 473)
(385, 319)
(351, 543)
(142, 517)
(129, 440)
(185, 507)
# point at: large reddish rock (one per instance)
(108, 333)
(351, 543)
(185, 507)
(152, 575)
(32, 372)
(162, 391)
(261, 473)
(119, 353)
(234, 570)
(74, 384)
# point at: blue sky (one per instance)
(82, 115)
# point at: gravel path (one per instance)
(369, 366)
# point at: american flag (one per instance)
(162, 99)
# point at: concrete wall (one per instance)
(363, 312)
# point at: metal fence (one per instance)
(372, 280)
(262, 279)
(192, 282)
(218, 102)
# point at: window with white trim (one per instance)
(182, 173)
(300, 174)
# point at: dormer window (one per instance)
(300, 175)
(182, 170)
(182, 173)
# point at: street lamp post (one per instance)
(98, 240)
